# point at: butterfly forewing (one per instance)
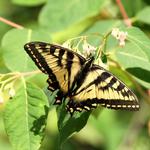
(56, 61)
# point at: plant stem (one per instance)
(10, 23)
(127, 21)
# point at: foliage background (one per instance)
(56, 21)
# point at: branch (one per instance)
(10, 23)
(127, 21)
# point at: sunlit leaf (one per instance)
(135, 61)
(137, 37)
(59, 15)
(68, 125)
(29, 2)
(13, 51)
(144, 15)
(25, 117)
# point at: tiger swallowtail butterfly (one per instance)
(84, 83)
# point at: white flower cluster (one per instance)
(9, 92)
(1, 97)
(88, 49)
(119, 35)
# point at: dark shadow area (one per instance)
(140, 73)
(68, 124)
(40, 123)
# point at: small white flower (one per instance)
(1, 98)
(122, 43)
(120, 36)
(88, 49)
(115, 32)
(12, 92)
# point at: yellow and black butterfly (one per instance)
(85, 84)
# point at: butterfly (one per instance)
(85, 84)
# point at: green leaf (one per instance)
(68, 125)
(141, 75)
(135, 61)
(144, 15)
(25, 117)
(132, 56)
(101, 28)
(72, 31)
(29, 2)
(111, 125)
(59, 15)
(4, 144)
(131, 8)
(135, 56)
(38, 79)
(13, 51)
(3, 69)
(137, 37)
(51, 97)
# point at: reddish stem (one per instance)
(124, 14)
(11, 23)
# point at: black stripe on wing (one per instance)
(70, 57)
(80, 78)
(99, 79)
(32, 49)
(108, 103)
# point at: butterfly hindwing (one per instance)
(101, 87)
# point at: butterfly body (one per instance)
(82, 82)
